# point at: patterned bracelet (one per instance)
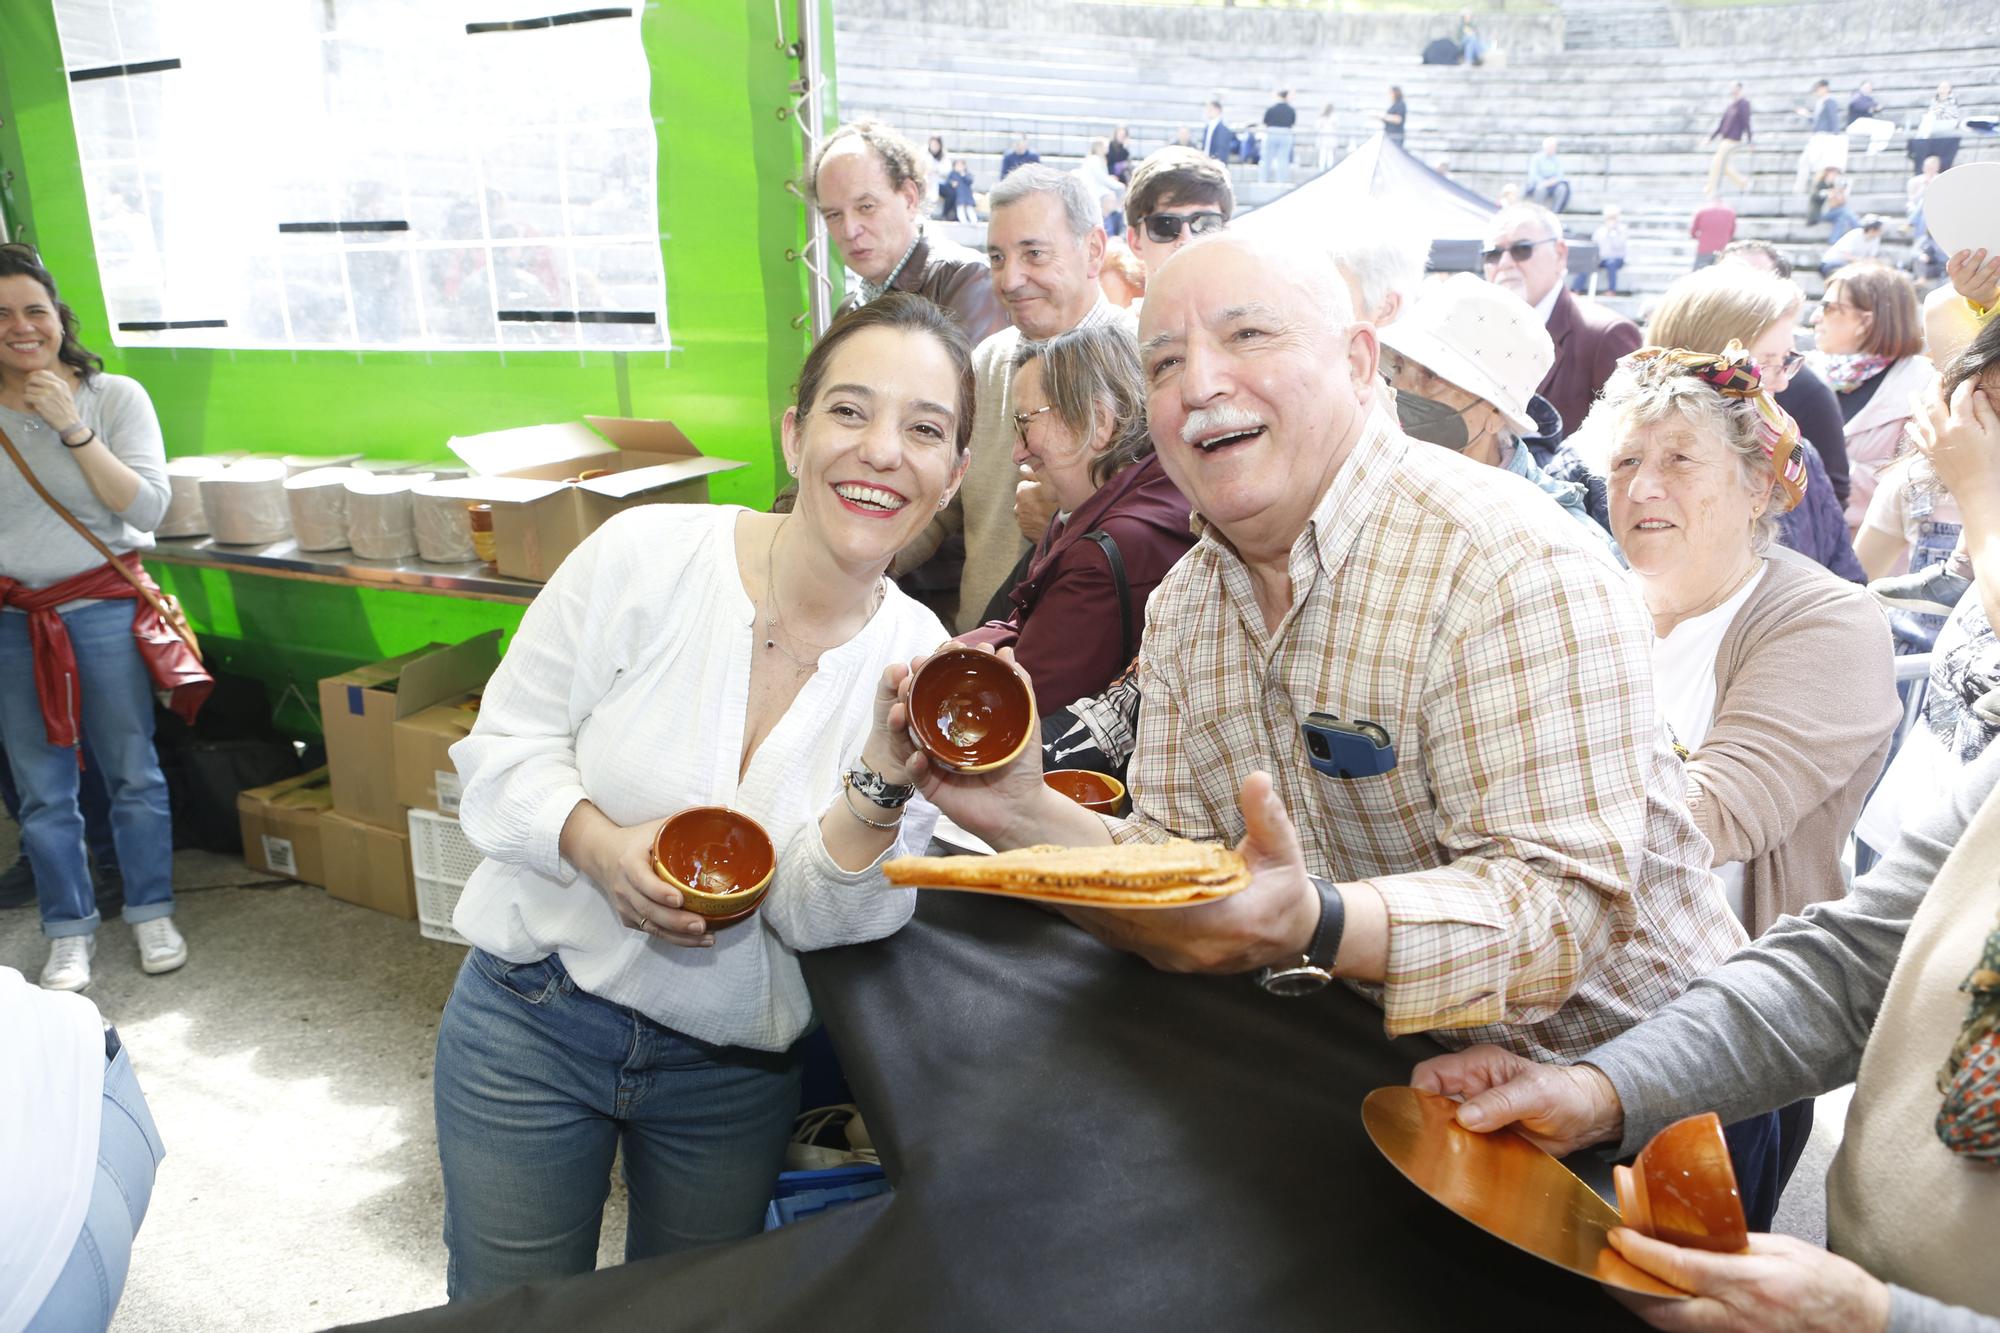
(847, 799)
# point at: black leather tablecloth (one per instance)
(1079, 1142)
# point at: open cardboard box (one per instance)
(359, 710)
(539, 516)
(281, 825)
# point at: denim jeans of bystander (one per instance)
(117, 718)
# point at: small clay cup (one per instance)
(720, 860)
(1095, 791)
(1681, 1188)
(970, 711)
(483, 543)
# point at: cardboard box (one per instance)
(281, 826)
(359, 709)
(368, 866)
(540, 516)
(426, 779)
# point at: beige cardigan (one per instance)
(1899, 1203)
(1805, 705)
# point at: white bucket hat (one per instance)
(1480, 338)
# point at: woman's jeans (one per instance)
(539, 1083)
(117, 716)
(128, 1153)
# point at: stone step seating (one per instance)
(1631, 122)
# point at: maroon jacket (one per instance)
(1066, 629)
(1589, 340)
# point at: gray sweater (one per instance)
(1788, 1017)
(36, 547)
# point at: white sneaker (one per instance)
(161, 948)
(69, 962)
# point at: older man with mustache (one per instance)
(1425, 663)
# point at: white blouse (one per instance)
(628, 685)
(1684, 686)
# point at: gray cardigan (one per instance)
(1788, 1017)
(36, 547)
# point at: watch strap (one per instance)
(1332, 924)
(878, 790)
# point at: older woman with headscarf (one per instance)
(1699, 460)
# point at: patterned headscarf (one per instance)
(1968, 1120)
(1733, 374)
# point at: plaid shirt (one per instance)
(1546, 886)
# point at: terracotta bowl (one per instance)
(721, 861)
(970, 711)
(1093, 791)
(1681, 1188)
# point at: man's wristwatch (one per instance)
(1315, 967)
(878, 790)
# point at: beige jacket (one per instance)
(1805, 704)
(1899, 1203)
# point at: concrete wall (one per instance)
(1519, 34)
(1839, 27)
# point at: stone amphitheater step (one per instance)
(1617, 25)
(1631, 119)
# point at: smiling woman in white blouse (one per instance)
(688, 655)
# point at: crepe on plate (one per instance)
(1135, 874)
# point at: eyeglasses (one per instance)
(1165, 228)
(1022, 420)
(1783, 365)
(1828, 307)
(1520, 250)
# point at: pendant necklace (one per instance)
(774, 624)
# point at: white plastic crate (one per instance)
(437, 899)
(442, 861)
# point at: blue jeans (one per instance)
(91, 797)
(128, 1153)
(1555, 193)
(117, 716)
(1581, 283)
(539, 1083)
(1276, 162)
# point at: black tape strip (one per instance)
(549, 21)
(387, 225)
(578, 317)
(120, 71)
(162, 325)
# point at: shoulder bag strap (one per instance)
(110, 557)
(1117, 563)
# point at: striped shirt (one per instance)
(1546, 886)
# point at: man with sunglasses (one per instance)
(1175, 195)
(1525, 253)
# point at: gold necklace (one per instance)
(774, 623)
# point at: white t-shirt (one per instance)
(1928, 522)
(51, 1103)
(627, 685)
(1684, 686)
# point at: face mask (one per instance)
(1427, 419)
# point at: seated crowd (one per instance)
(1595, 587)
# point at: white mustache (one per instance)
(1217, 420)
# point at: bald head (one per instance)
(1304, 275)
(1258, 381)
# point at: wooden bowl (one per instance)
(1092, 790)
(971, 712)
(720, 860)
(1681, 1188)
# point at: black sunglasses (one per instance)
(1165, 228)
(1519, 249)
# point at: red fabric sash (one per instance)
(57, 683)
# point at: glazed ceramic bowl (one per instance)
(1681, 1188)
(1099, 792)
(971, 712)
(721, 862)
